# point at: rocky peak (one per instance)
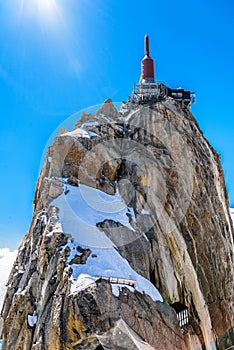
(131, 216)
(108, 109)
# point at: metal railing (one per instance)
(144, 92)
(117, 280)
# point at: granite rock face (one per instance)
(131, 215)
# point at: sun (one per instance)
(46, 8)
(43, 10)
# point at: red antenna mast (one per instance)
(147, 52)
(147, 64)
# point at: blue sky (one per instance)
(61, 56)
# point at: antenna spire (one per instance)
(147, 64)
(147, 52)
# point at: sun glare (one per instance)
(45, 10)
(46, 7)
(49, 23)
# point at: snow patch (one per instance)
(82, 282)
(32, 320)
(57, 228)
(79, 132)
(90, 124)
(79, 212)
(145, 212)
(108, 263)
(19, 291)
(117, 288)
(7, 259)
(92, 134)
(83, 207)
(107, 118)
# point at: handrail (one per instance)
(117, 280)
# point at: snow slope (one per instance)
(83, 207)
(79, 212)
(107, 262)
(7, 259)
